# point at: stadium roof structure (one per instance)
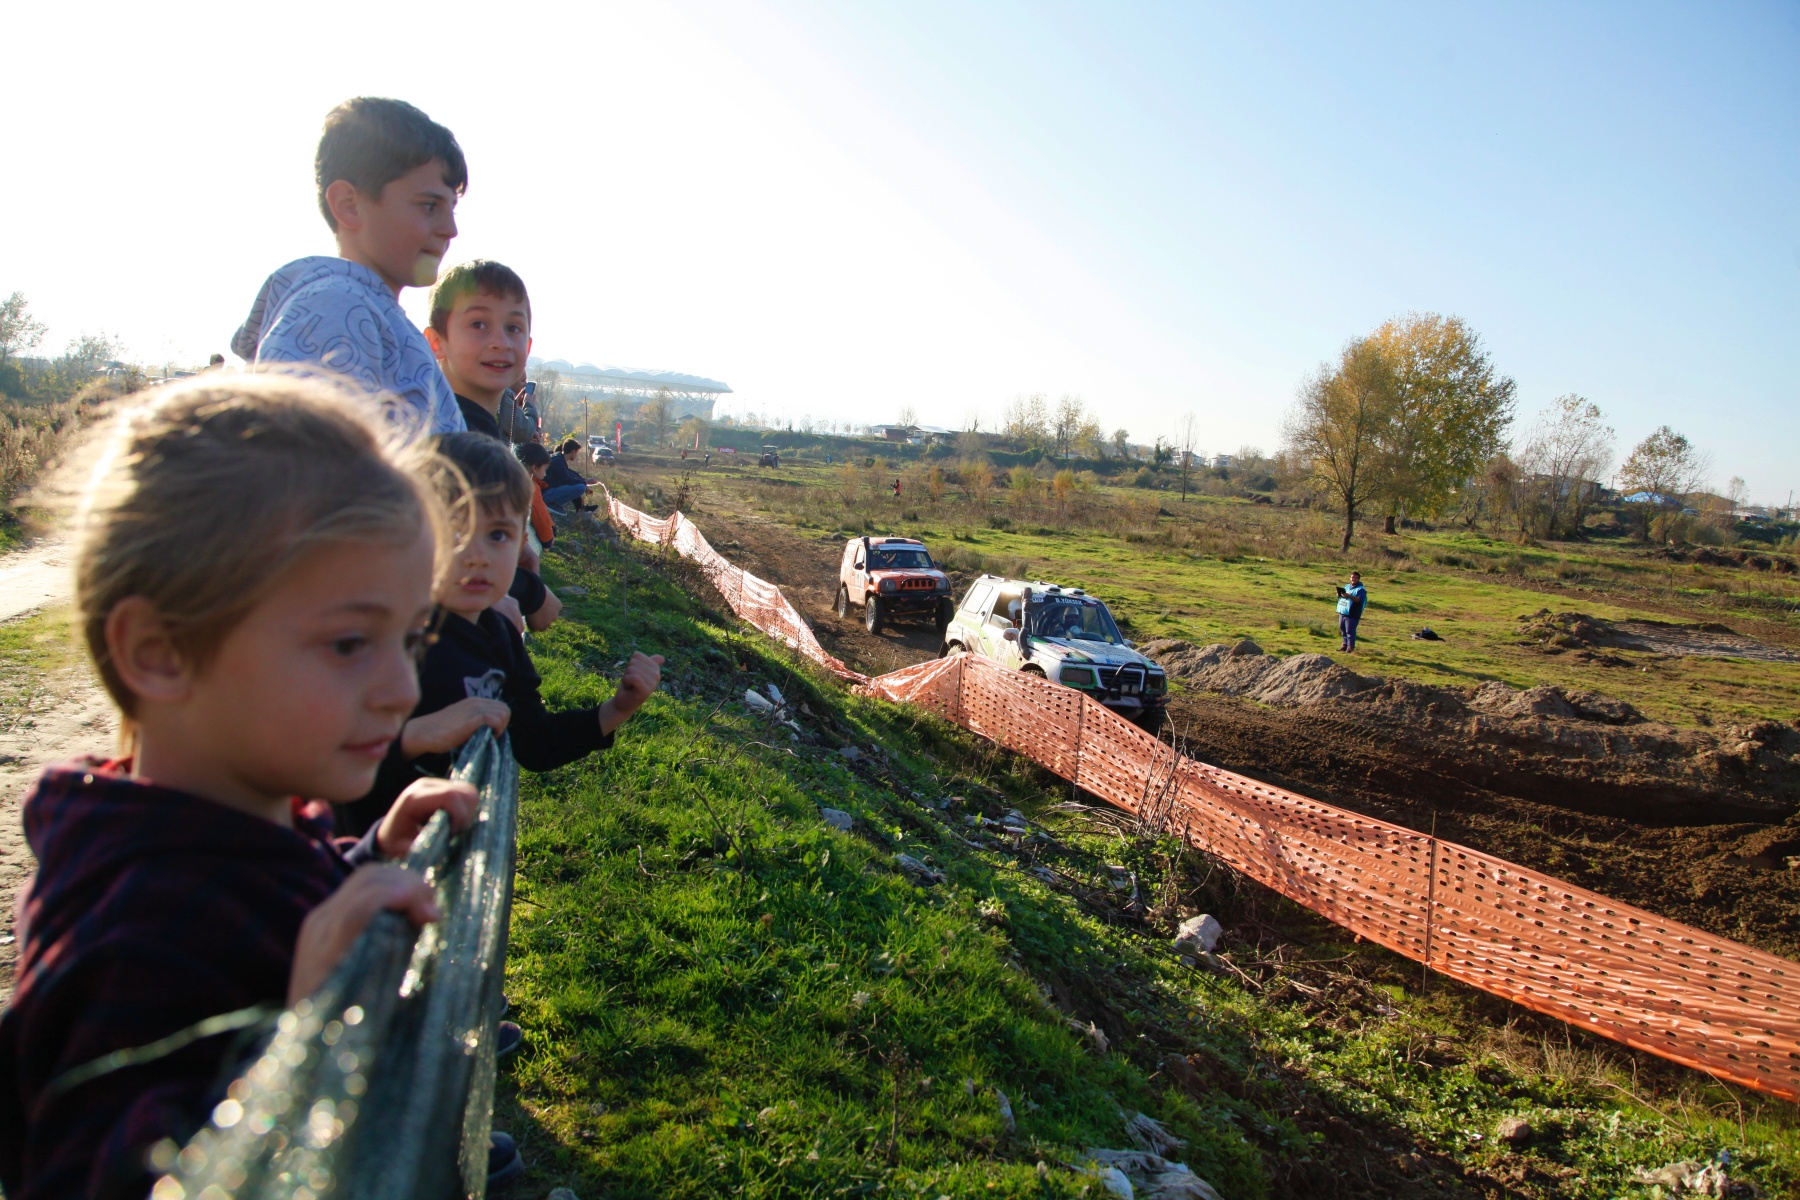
(627, 379)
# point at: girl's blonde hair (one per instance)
(211, 488)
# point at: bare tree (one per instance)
(1565, 456)
(1336, 431)
(909, 416)
(1450, 411)
(1190, 428)
(1666, 468)
(1066, 424)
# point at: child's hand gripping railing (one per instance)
(381, 1084)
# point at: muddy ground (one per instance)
(1698, 827)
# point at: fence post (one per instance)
(1430, 907)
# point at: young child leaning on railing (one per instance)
(258, 653)
(476, 671)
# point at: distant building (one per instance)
(690, 395)
(1221, 462)
(916, 435)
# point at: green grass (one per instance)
(33, 649)
(723, 996)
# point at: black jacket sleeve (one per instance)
(543, 740)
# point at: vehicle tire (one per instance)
(950, 648)
(1152, 722)
(946, 611)
(1034, 669)
(874, 614)
(843, 601)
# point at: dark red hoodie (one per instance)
(151, 910)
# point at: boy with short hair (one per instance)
(536, 461)
(389, 178)
(480, 331)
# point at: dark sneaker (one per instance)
(508, 1037)
(505, 1163)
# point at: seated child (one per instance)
(389, 178)
(258, 654)
(480, 330)
(476, 671)
(536, 460)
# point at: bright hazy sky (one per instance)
(841, 208)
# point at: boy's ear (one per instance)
(436, 341)
(345, 203)
(143, 654)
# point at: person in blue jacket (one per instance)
(1351, 601)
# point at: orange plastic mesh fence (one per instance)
(1619, 971)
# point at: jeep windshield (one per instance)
(1071, 618)
(882, 559)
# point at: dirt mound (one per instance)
(1566, 746)
(1244, 670)
(1709, 557)
(1553, 633)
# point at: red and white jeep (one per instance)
(893, 577)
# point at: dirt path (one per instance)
(35, 577)
(45, 715)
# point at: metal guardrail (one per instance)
(381, 1085)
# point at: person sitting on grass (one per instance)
(480, 330)
(564, 482)
(389, 178)
(258, 654)
(476, 671)
(539, 462)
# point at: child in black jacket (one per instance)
(476, 671)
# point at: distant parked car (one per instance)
(1063, 635)
(892, 577)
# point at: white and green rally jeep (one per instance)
(1064, 635)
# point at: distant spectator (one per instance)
(563, 482)
(536, 460)
(216, 362)
(1351, 601)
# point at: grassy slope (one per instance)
(722, 995)
(1223, 569)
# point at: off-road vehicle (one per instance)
(1065, 636)
(770, 457)
(892, 577)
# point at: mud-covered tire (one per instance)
(946, 612)
(1033, 669)
(874, 614)
(843, 601)
(948, 649)
(1151, 722)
